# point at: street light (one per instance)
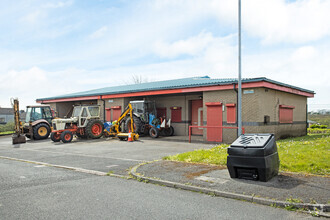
(239, 104)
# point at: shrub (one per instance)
(10, 126)
(319, 126)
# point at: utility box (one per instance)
(253, 157)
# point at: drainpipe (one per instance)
(103, 109)
(236, 90)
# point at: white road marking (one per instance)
(86, 155)
(112, 166)
(77, 169)
(211, 179)
(38, 166)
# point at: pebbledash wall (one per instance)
(267, 106)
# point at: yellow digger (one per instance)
(37, 123)
(115, 129)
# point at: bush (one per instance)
(318, 131)
(10, 126)
(319, 126)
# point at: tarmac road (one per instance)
(31, 191)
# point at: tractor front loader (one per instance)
(116, 129)
(84, 123)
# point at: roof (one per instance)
(168, 84)
(6, 111)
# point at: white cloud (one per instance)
(304, 53)
(59, 4)
(192, 46)
(273, 21)
(99, 33)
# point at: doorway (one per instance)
(197, 116)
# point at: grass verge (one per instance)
(308, 154)
(7, 132)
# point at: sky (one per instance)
(50, 48)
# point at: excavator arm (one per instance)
(18, 136)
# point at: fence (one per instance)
(195, 126)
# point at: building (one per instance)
(6, 115)
(268, 106)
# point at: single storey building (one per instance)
(268, 106)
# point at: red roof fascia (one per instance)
(287, 89)
(187, 90)
(71, 99)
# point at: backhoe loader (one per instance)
(37, 123)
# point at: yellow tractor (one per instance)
(115, 129)
(37, 123)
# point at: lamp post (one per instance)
(239, 104)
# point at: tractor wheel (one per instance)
(54, 136)
(66, 136)
(122, 138)
(94, 129)
(137, 126)
(168, 131)
(41, 131)
(154, 132)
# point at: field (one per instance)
(308, 154)
(321, 119)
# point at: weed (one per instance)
(294, 200)
(109, 173)
(312, 201)
(290, 208)
(315, 212)
(274, 205)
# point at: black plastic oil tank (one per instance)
(254, 157)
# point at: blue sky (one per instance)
(51, 48)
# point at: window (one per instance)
(176, 114)
(231, 113)
(286, 114)
(94, 111)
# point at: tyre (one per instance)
(154, 132)
(66, 136)
(122, 138)
(137, 125)
(54, 136)
(41, 131)
(168, 131)
(94, 129)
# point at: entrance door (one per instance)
(214, 118)
(197, 116)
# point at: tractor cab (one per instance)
(34, 113)
(144, 109)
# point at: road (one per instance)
(31, 191)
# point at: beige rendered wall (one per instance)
(225, 97)
(269, 101)
(257, 103)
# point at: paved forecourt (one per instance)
(105, 154)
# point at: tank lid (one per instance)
(252, 140)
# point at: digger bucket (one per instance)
(19, 139)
